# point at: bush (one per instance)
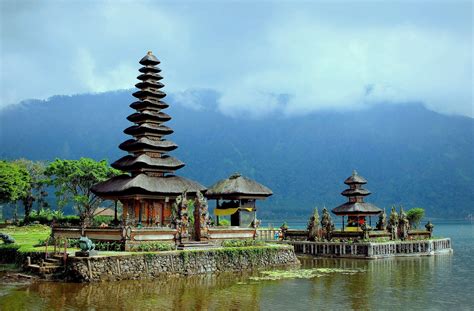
(242, 243)
(154, 247)
(98, 220)
(415, 215)
(224, 222)
(108, 246)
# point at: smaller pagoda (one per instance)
(238, 194)
(356, 209)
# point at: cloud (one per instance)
(325, 68)
(278, 57)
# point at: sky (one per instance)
(291, 57)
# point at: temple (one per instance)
(356, 209)
(150, 186)
(239, 195)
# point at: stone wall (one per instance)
(188, 262)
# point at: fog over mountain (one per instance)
(409, 154)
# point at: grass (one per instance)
(27, 237)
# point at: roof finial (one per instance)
(149, 52)
(235, 175)
(354, 173)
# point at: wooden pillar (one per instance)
(115, 212)
(370, 220)
(124, 212)
(162, 213)
(342, 222)
(217, 217)
(140, 211)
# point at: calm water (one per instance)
(434, 283)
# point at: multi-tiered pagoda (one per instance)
(356, 209)
(150, 187)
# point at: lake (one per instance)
(434, 283)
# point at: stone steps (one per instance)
(48, 268)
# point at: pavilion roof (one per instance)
(355, 179)
(356, 208)
(237, 186)
(131, 163)
(169, 185)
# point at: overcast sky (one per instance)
(260, 56)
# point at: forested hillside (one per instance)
(410, 155)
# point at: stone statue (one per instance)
(365, 230)
(403, 224)
(393, 224)
(313, 226)
(201, 210)
(7, 239)
(382, 223)
(87, 247)
(429, 227)
(85, 244)
(327, 225)
(181, 221)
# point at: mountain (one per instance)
(410, 155)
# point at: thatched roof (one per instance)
(146, 143)
(143, 184)
(148, 115)
(149, 76)
(148, 128)
(143, 94)
(151, 105)
(355, 179)
(355, 192)
(149, 59)
(356, 209)
(237, 186)
(149, 84)
(131, 163)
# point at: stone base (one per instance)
(87, 253)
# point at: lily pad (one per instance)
(300, 273)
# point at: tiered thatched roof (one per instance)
(355, 195)
(148, 165)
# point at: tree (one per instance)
(14, 182)
(35, 190)
(73, 180)
(415, 215)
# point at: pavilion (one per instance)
(239, 195)
(356, 209)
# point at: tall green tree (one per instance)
(14, 182)
(37, 182)
(415, 215)
(73, 180)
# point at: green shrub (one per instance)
(224, 222)
(415, 215)
(98, 220)
(108, 246)
(154, 247)
(242, 243)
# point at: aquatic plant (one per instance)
(301, 273)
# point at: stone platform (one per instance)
(373, 250)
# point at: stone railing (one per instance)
(230, 232)
(265, 234)
(372, 250)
